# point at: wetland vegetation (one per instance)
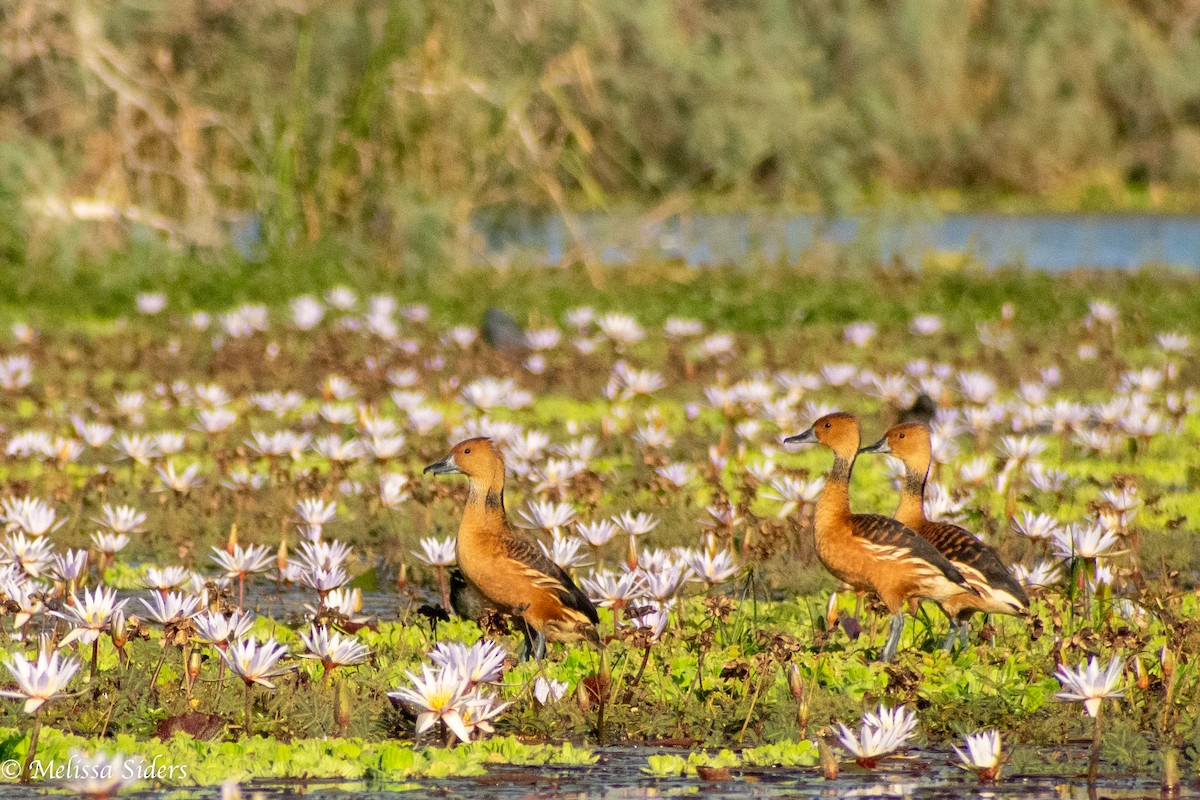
(153, 455)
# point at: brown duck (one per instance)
(871, 551)
(510, 571)
(996, 590)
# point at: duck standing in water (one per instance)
(871, 551)
(996, 590)
(510, 571)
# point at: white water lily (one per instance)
(243, 561)
(613, 591)
(219, 630)
(635, 525)
(547, 516)
(29, 554)
(478, 711)
(314, 511)
(1036, 526)
(1090, 684)
(392, 493)
(870, 744)
(547, 691)
(1084, 541)
(711, 568)
(481, 662)
(39, 681)
(89, 614)
(1042, 574)
(441, 693)
(171, 607)
(166, 578)
(882, 733)
(109, 543)
(333, 649)
(982, 755)
(436, 552)
(254, 661)
(598, 533)
(121, 518)
(564, 551)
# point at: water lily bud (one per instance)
(585, 702)
(831, 612)
(1143, 680)
(341, 706)
(281, 557)
(117, 630)
(796, 683)
(1168, 661)
(193, 667)
(231, 543)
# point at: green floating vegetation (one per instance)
(184, 761)
(780, 754)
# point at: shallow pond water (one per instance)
(619, 773)
(1044, 241)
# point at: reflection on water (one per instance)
(1052, 242)
(929, 775)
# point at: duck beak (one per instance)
(808, 437)
(881, 446)
(446, 466)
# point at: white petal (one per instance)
(455, 723)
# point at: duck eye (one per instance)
(902, 436)
(467, 451)
(828, 425)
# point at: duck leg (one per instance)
(893, 641)
(539, 646)
(526, 650)
(960, 632)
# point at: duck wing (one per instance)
(545, 574)
(885, 533)
(979, 562)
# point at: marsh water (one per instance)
(619, 775)
(620, 772)
(1044, 241)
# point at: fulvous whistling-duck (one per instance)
(871, 551)
(997, 591)
(509, 571)
(468, 603)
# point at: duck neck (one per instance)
(912, 496)
(834, 503)
(485, 503)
